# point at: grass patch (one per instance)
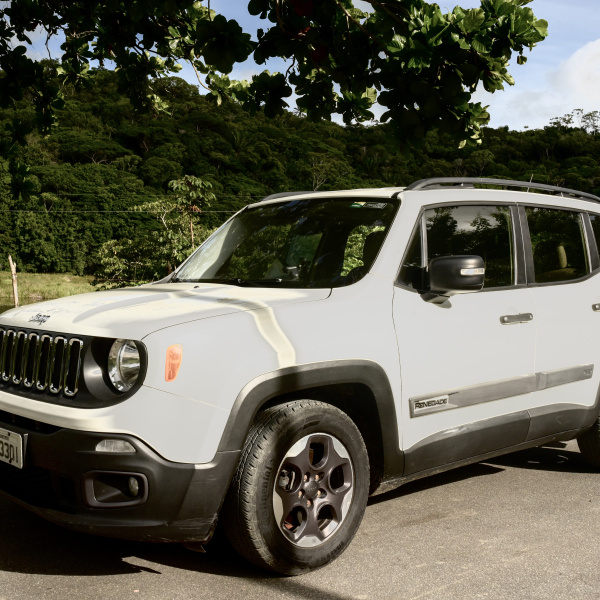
(35, 287)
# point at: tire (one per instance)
(300, 490)
(589, 444)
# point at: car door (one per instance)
(466, 364)
(565, 283)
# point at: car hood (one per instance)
(136, 312)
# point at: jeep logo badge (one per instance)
(39, 318)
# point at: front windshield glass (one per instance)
(294, 243)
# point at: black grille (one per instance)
(45, 362)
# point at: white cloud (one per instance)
(579, 76)
(574, 83)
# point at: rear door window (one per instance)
(558, 244)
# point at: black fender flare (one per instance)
(297, 378)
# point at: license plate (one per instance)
(11, 448)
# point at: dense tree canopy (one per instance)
(421, 64)
(100, 200)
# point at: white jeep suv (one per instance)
(317, 348)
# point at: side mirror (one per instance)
(449, 275)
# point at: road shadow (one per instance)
(30, 545)
(433, 481)
(552, 457)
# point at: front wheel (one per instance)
(300, 490)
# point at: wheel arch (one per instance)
(360, 388)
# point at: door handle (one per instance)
(596, 307)
(513, 319)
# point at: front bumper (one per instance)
(65, 480)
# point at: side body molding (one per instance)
(261, 390)
(496, 436)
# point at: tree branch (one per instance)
(198, 76)
(280, 20)
(290, 68)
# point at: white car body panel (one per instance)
(444, 348)
(567, 333)
(125, 412)
(221, 356)
(257, 332)
(233, 335)
(146, 415)
(250, 339)
(133, 313)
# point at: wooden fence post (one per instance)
(13, 271)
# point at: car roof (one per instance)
(442, 183)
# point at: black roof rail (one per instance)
(439, 182)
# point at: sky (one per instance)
(561, 74)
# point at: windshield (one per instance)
(295, 243)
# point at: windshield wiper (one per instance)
(233, 281)
(266, 282)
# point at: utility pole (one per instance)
(13, 271)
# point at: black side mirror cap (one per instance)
(450, 275)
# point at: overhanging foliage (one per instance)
(421, 64)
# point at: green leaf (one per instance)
(357, 13)
(473, 19)
(504, 7)
(482, 44)
(541, 26)
(462, 42)
(370, 95)
(396, 44)
(258, 7)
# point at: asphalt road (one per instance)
(525, 526)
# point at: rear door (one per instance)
(565, 282)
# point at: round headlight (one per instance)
(123, 364)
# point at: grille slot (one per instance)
(48, 363)
(57, 357)
(8, 341)
(30, 353)
(18, 355)
(73, 366)
(43, 360)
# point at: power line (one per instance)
(130, 212)
(98, 194)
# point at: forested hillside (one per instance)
(100, 202)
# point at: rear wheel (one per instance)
(300, 490)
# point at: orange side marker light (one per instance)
(173, 362)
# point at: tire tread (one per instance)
(240, 504)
